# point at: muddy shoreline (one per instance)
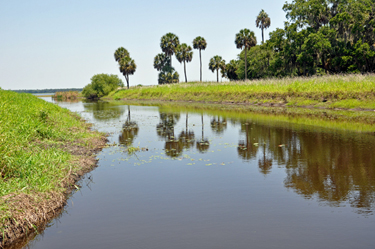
(34, 211)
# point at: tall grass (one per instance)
(70, 95)
(292, 91)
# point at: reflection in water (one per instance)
(186, 137)
(330, 167)
(104, 111)
(247, 148)
(129, 131)
(203, 144)
(165, 130)
(218, 125)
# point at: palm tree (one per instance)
(160, 61)
(245, 38)
(184, 54)
(263, 22)
(127, 67)
(216, 63)
(201, 44)
(120, 53)
(168, 44)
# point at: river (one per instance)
(196, 179)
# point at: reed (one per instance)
(70, 95)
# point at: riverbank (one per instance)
(330, 92)
(44, 149)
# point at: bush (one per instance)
(101, 85)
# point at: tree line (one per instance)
(319, 37)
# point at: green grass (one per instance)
(357, 90)
(32, 134)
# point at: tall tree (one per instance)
(216, 63)
(169, 43)
(184, 54)
(127, 67)
(245, 39)
(263, 22)
(201, 44)
(120, 53)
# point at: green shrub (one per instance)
(101, 85)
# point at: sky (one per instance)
(62, 44)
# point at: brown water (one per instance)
(209, 181)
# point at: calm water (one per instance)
(208, 181)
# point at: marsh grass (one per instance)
(33, 160)
(315, 91)
(70, 95)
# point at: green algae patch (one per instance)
(44, 149)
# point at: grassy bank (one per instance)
(338, 91)
(44, 149)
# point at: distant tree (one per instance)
(245, 39)
(101, 85)
(120, 53)
(184, 54)
(263, 22)
(201, 44)
(230, 70)
(127, 67)
(216, 63)
(169, 43)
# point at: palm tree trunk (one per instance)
(245, 63)
(200, 58)
(127, 80)
(185, 71)
(217, 74)
(262, 36)
(170, 61)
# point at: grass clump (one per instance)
(34, 159)
(357, 90)
(70, 95)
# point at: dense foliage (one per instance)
(320, 37)
(101, 85)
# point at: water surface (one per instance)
(202, 180)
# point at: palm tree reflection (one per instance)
(218, 125)
(129, 131)
(165, 130)
(247, 149)
(203, 144)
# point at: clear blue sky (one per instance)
(62, 44)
